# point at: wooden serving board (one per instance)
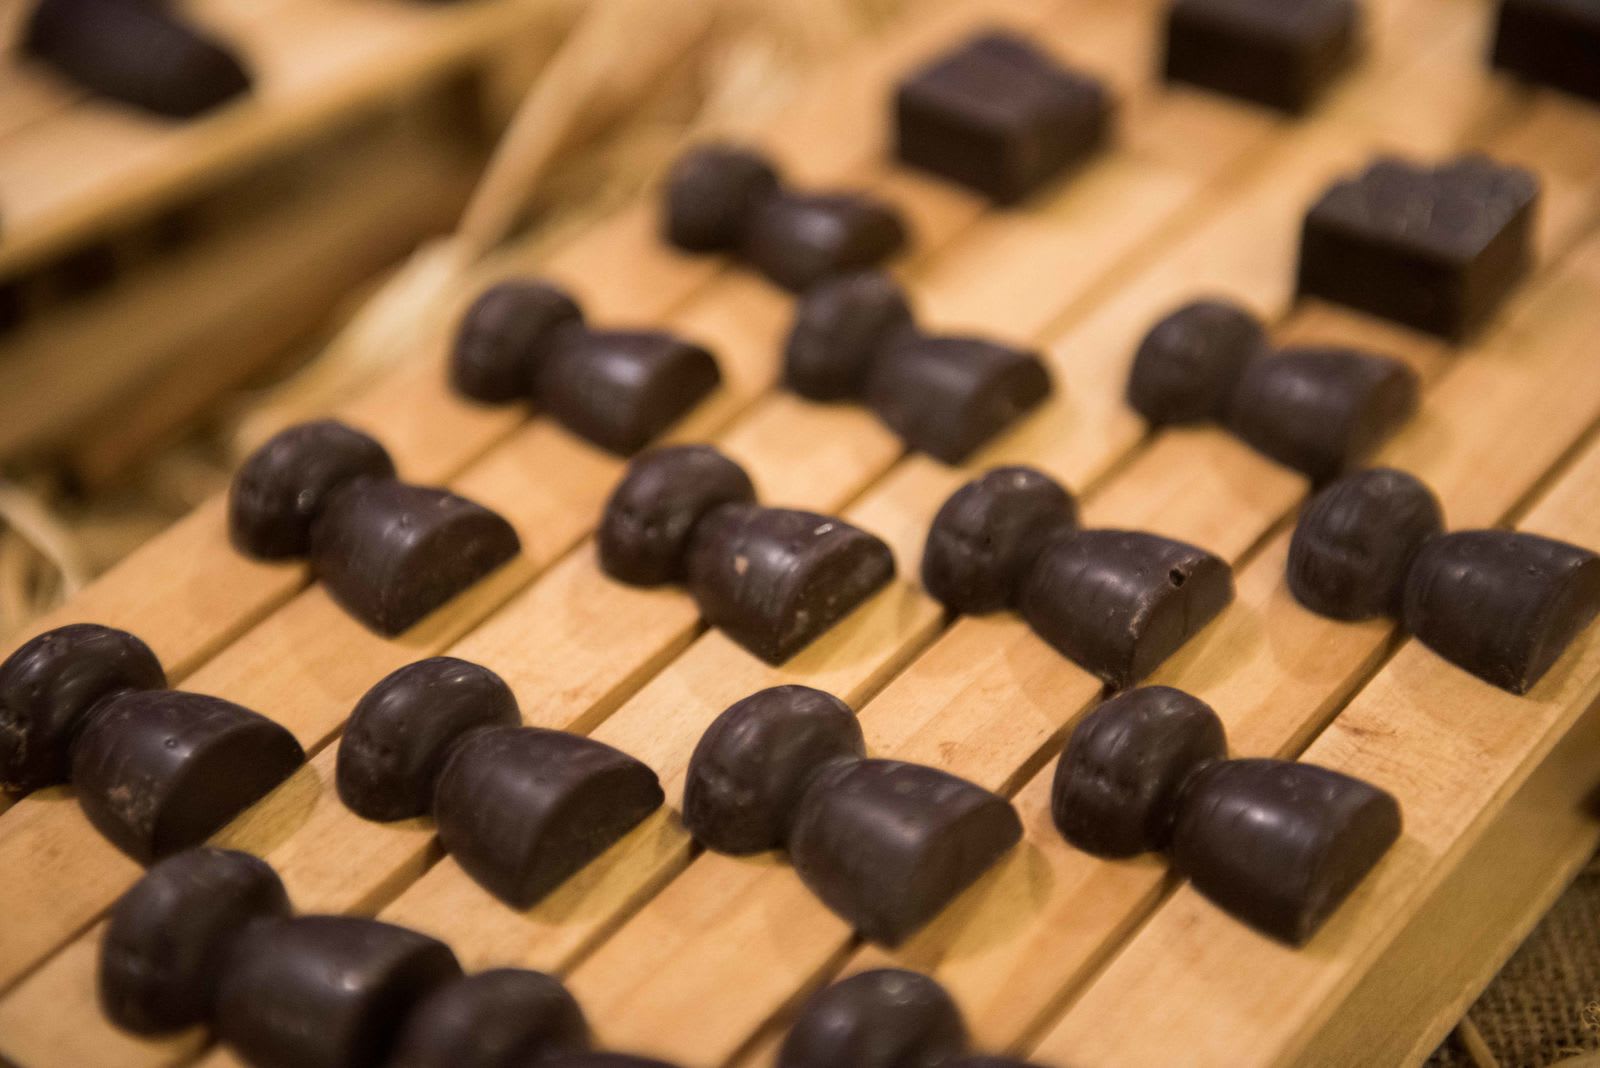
(701, 959)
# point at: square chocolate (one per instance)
(1275, 52)
(1551, 42)
(1434, 248)
(999, 115)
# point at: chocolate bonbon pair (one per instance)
(1283, 55)
(1317, 409)
(520, 808)
(773, 579)
(1502, 604)
(1277, 844)
(723, 198)
(854, 338)
(885, 844)
(527, 341)
(155, 770)
(1116, 602)
(388, 551)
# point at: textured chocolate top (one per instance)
(1000, 77)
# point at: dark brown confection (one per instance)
(887, 1018)
(325, 991)
(1355, 542)
(755, 761)
(979, 1061)
(1118, 603)
(505, 1018)
(522, 808)
(619, 389)
(1283, 55)
(13, 305)
(711, 193)
(1502, 604)
(1435, 248)
(1551, 42)
(170, 935)
(1278, 844)
(986, 537)
(999, 115)
(799, 239)
(1117, 785)
(840, 327)
(644, 532)
(886, 845)
(1321, 411)
(138, 53)
(401, 732)
(158, 770)
(592, 1059)
(774, 579)
(390, 552)
(1189, 364)
(47, 688)
(946, 396)
(280, 490)
(505, 336)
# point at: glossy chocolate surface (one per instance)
(506, 335)
(645, 530)
(1502, 604)
(1355, 542)
(401, 732)
(622, 388)
(841, 326)
(711, 192)
(1189, 364)
(799, 239)
(886, 1018)
(987, 535)
(279, 492)
(1550, 42)
(504, 1018)
(1283, 55)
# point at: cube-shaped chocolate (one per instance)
(999, 115)
(1270, 52)
(1551, 42)
(1434, 248)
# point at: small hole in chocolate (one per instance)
(1176, 577)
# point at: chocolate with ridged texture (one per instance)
(887, 845)
(1435, 248)
(711, 192)
(840, 327)
(645, 529)
(1321, 411)
(170, 936)
(621, 388)
(1355, 542)
(800, 239)
(1278, 844)
(999, 115)
(1118, 603)
(947, 395)
(1116, 788)
(522, 808)
(753, 765)
(390, 552)
(504, 1018)
(280, 490)
(987, 536)
(774, 579)
(1550, 42)
(400, 735)
(137, 53)
(1282, 55)
(1502, 604)
(325, 991)
(49, 685)
(885, 1018)
(506, 336)
(1189, 364)
(160, 770)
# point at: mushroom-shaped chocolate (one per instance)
(1278, 844)
(526, 340)
(520, 808)
(772, 579)
(156, 770)
(989, 533)
(854, 337)
(388, 551)
(721, 198)
(139, 53)
(883, 843)
(1189, 364)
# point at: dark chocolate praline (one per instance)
(503, 1018)
(506, 335)
(647, 523)
(711, 192)
(1187, 367)
(841, 326)
(800, 239)
(987, 535)
(620, 389)
(885, 1018)
(596, 1059)
(283, 487)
